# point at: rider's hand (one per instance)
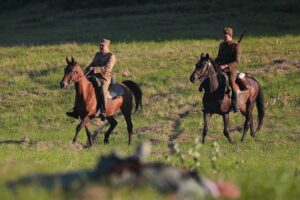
(223, 66)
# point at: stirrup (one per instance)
(101, 115)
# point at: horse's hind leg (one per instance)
(127, 116)
(205, 128)
(226, 130)
(112, 124)
(252, 131)
(78, 128)
(246, 127)
(129, 127)
(248, 122)
(126, 111)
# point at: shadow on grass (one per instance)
(24, 141)
(38, 76)
(11, 142)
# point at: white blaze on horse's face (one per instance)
(209, 63)
(206, 64)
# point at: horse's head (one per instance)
(201, 68)
(72, 73)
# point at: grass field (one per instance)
(156, 46)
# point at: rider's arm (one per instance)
(92, 63)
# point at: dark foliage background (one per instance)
(73, 4)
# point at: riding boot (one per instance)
(73, 114)
(100, 104)
(234, 105)
(103, 110)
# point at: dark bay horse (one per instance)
(217, 100)
(86, 102)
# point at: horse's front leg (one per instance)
(206, 123)
(78, 128)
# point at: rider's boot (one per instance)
(101, 111)
(73, 113)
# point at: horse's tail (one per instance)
(260, 104)
(137, 92)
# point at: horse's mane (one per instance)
(216, 66)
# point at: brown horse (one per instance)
(86, 102)
(217, 100)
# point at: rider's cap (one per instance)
(228, 30)
(105, 42)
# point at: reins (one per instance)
(85, 75)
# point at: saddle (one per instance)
(241, 81)
(115, 90)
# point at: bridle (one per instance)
(206, 72)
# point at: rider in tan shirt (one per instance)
(99, 73)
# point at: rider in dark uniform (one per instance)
(228, 59)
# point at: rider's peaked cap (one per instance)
(228, 30)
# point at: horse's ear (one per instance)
(202, 55)
(207, 56)
(67, 60)
(73, 61)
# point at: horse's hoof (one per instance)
(87, 146)
(106, 141)
(94, 137)
(74, 142)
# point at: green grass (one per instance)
(156, 46)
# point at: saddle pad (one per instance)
(242, 81)
(241, 75)
(114, 91)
